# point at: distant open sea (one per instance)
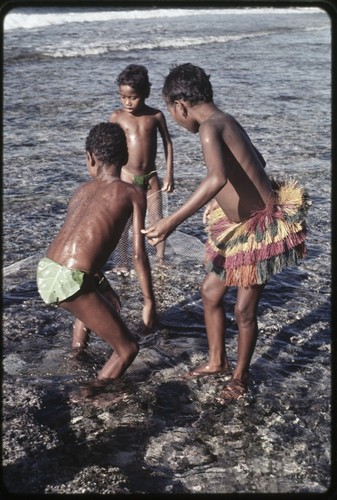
(271, 69)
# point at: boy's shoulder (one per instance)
(130, 189)
(117, 189)
(116, 113)
(219, 121)
(135, 194)
(150, 111)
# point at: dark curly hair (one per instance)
(107, 142)
(187, 82)
(137, 77)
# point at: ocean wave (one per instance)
(22, 18)
(99, 47)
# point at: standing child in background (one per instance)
(256, 227)
(70, 275)
(141, 124)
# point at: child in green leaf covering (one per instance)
(70, 275)
(141, 124)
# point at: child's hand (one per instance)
(168, 185)
(213, 205)
(159, 232)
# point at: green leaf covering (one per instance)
(57, 283)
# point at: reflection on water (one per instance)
(187, 443)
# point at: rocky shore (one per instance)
(154, 431)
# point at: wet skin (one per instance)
(237, 182)
(141, 123)
(96, 217)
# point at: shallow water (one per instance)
(154, 431)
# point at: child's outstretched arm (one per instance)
(168, 183)
(207, 189)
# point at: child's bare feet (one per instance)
(235, 390)
(207, 369)
(100, 393)
(95, 387)
(160, 261)
(121, 271)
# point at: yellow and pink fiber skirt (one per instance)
(249, 252)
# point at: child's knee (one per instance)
(126, 355)
(204, 290)
(207, 292)
(244, 314)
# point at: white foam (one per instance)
(71, 49)
(122, 45)
(36, 18)
(98, 47)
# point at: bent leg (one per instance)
(94, 311)
(80, 331)
(213, 290)
(246, 317)
(80, 336)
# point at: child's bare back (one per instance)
(247, 186)
(71, 277)
(97, 215)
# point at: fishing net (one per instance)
(176, 280)
(179, 249)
